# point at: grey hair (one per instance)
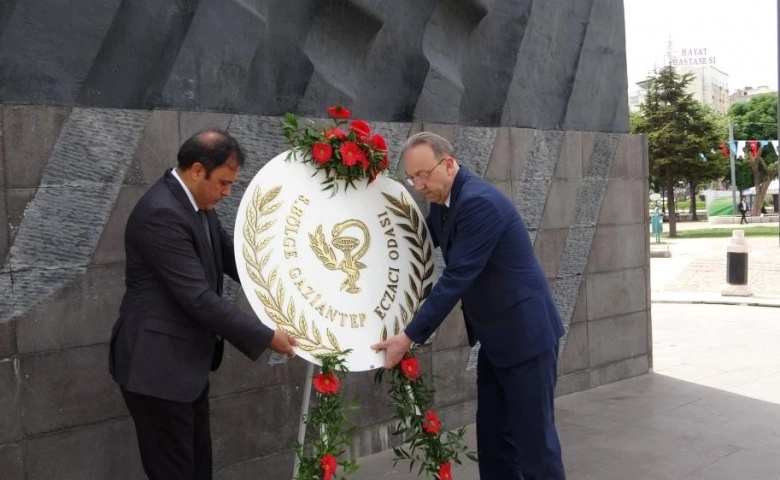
(441, 147)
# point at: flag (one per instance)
(724, 149)
(734, 149)
(754, 147)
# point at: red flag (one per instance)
(724, 149)
(754, 148)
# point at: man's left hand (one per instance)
(395, 347)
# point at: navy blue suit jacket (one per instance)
(491, 267)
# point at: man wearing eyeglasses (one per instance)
(508, 307)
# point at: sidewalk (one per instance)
(696, 271)
(711, 410)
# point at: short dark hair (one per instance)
(211, 148)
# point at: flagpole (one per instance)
(732, 159)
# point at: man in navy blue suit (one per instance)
(508, 307)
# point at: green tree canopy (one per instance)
(679, 131)
(755, 119)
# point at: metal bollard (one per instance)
(737, 267)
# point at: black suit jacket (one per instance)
(166, 337)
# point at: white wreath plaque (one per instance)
(336, 271)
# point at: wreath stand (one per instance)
(304, 410)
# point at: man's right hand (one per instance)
(283, 343)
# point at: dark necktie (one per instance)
(444, 211)
(204, 221)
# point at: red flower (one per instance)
(373, 177)
(365, 162)
(445, 471)
(321, 152)
(431, 423)
(384, 163)
(378, 143)
(328, 463)
(337, 111)
(351, 153)
(361, 128)
(326, 383)
(335, 133)
(411, 368)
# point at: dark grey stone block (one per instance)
(579, 314)
(453, 383)
(6, 298)
(2, 134)
(629, 161)
(12, 461)
(371, 398)
(279, 465)
(625, 202)
(561, 203)
(253, 424)
(191, 123)
(458, 415)
(576, 382)
(7, 337)
(5, 234)
(617, 338)
(68, 388)
(474, 146)
(574, 356)
(66, 39)
(617, 293)
(569, 164)
(565, 294)
(10, 421)
(111, 246)
(28, 287)
(575, 254)
(157, 148)
(17, 200)
(500, 167)
(618, 247)
(630, 367)
(105, 450)
(29, 134)
(548, 247)
(239, 374)
(590, 102)
(452, 332)
(376, 438)
(395, 134)
(82, 313)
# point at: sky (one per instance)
(741, 36)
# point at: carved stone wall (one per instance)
(96, 97)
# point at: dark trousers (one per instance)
(174, 438)
(743, 219)
(516, 436)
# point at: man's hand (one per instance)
(283, 343)
(395, 347)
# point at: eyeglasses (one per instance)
(412, 181)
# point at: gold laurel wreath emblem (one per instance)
(273, 297)
(420, 280)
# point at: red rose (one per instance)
(326, 383)
(351, 153)
(335, 133)
(321, 152)
(361, 128)
(411, 368)
(329, 464)
(431, 423)
(337, 111)
(445, 471)
(378, 143)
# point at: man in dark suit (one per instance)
(508, 307)
(172, 320)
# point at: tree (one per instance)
(678, 133)
(756, 120)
